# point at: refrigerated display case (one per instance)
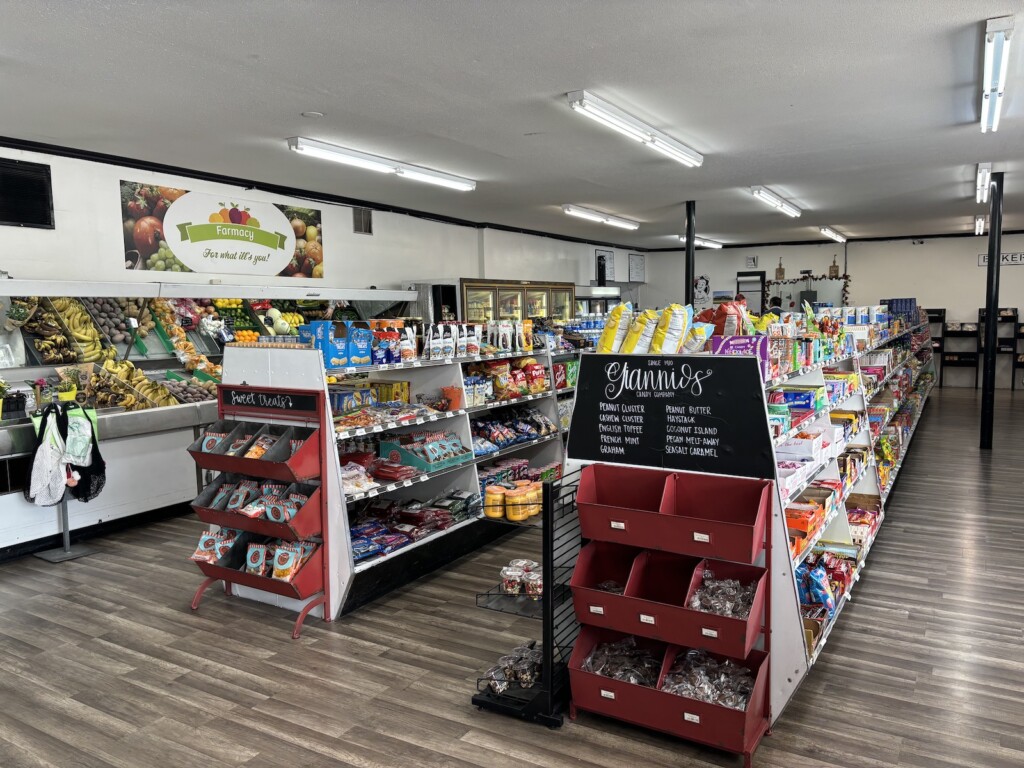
(591, 300)
(484, 300)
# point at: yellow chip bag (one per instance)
(641, 332)
(615, 327)
(673, 325)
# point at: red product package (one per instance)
(414, 532)
(519, 385)
(558, 369)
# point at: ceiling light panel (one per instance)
(982, 181)
(768, 197)
(610, 116)
(599, 216)
(997, 61)
(703, 242)
(829, 232)
(335, 154)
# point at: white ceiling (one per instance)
(864, 114)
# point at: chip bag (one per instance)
(698, 337)
(616, 325)
(673, 325)
(640, 333)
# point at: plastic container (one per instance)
(512, 580)
(517, 508)
(494, 502)
(533, 585)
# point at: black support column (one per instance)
(691, 234)
(988, 382)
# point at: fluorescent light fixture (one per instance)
(997, 55)
(323, 151)
(768, 197)
(610, 116)
(599, 216)
(703, 242)
(829, 232)
(979, 225)
(982, 182)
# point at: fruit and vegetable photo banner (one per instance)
(173, 230)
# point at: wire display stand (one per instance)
(560, 544)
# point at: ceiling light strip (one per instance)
(324, 151)
(599, 216)
(768, 197)
(997, 60)
(703, 242)
(979, 225)
(829, 232)
(606, 113)
(982, 181)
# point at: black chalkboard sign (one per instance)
(282, 403)
(700, 413)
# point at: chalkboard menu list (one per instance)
(699, 413)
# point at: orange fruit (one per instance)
(225, 215)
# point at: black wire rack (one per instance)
(544, 701)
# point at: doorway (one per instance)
(751, 285)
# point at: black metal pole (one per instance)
(995, 238)
(691, 233)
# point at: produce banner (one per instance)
(173, 230)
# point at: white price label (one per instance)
(691, 718)
(617, 525)
(423, 478)
(360, 431)
(419, 420)
(646, 618)
(448, 361)
(392, 487)
(379, 428)
(703, 538)
(407, 483)
(133, 322)
(707, 632)
(417, 364)
(597, 610)
(432, 417)
(374, 492)
(607, 694)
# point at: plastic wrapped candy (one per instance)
(533, 585)
(696, 675)
(526, 672)
(625, 661)
(612, 587)
(496, 679)
(511, 580)
(725, 597)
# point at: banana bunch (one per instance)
(82, 328)
(137, 380)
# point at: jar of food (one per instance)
(526, 673)
(526, 565)
(517, 507)
(507, 665)
(496, 679)
(494, 501)
(536, 493)
(512, 580)
(533, 584)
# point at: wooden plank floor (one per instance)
(103, 664)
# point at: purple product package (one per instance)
(745, 345)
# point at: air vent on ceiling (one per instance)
(26, 197)
(362, 221)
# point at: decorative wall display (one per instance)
(167, 229)
(605, 261)
(701, 291)
(637, 268)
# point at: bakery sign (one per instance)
(1006, 260)
(254, 238)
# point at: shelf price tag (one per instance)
(607, 694)
(407, 483)
(708, 632)
(379, 428)
(417, 364)
(646, 618)
(597, 609)
(690, 718)
(702, 538)
(359, 431)
(432, 417)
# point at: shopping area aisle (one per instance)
(102, 663)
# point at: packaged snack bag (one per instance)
(206, 550)
(243, 493)
(572, 372)
(520, 339)
(287, 560)
(518, 383)
(462, 343)
(473, 341)
(730, 318)
(821, 592)
(558, 369)
(528, 335)
(698, 337)
(673, 325)
(263, 444)
(536, 378)
(506, 334)
(434, 343)
(256, 560)
(615, 328)
(500, 375)
(222, 495)
(640, 333)
(211, 440)
(448, 333)
(407, 345)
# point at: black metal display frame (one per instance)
(560, 545)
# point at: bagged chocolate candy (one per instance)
(625, 661)
(696, 675)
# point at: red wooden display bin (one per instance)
(722, 518)
(635, 704)
(600, 561)
(727, 635)
(713, 724)
(276, 464)
(710, 724)
(306, 523)
(306, 583)
(621, 504)
(656, 595)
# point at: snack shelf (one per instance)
(818, 534)
(828, 628)
(817, 415)
(566, 355)
(371, 562)
(514, 448)
(906, 448)
(393, 425)
(422, 478)
(507, 402)
(565, 391)
(430, 363)
(895, 369)
(810, 479)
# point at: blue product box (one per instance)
(359, 342)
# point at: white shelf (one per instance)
(388, 487)
(393, 425)
(428, 363)
(817, 536)
(564, 391)
(817, 415)
(235, 290)
(516, 448)
(507, 402)
(85, 288)
(828, 627)
(367, 564)
(906, 448)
